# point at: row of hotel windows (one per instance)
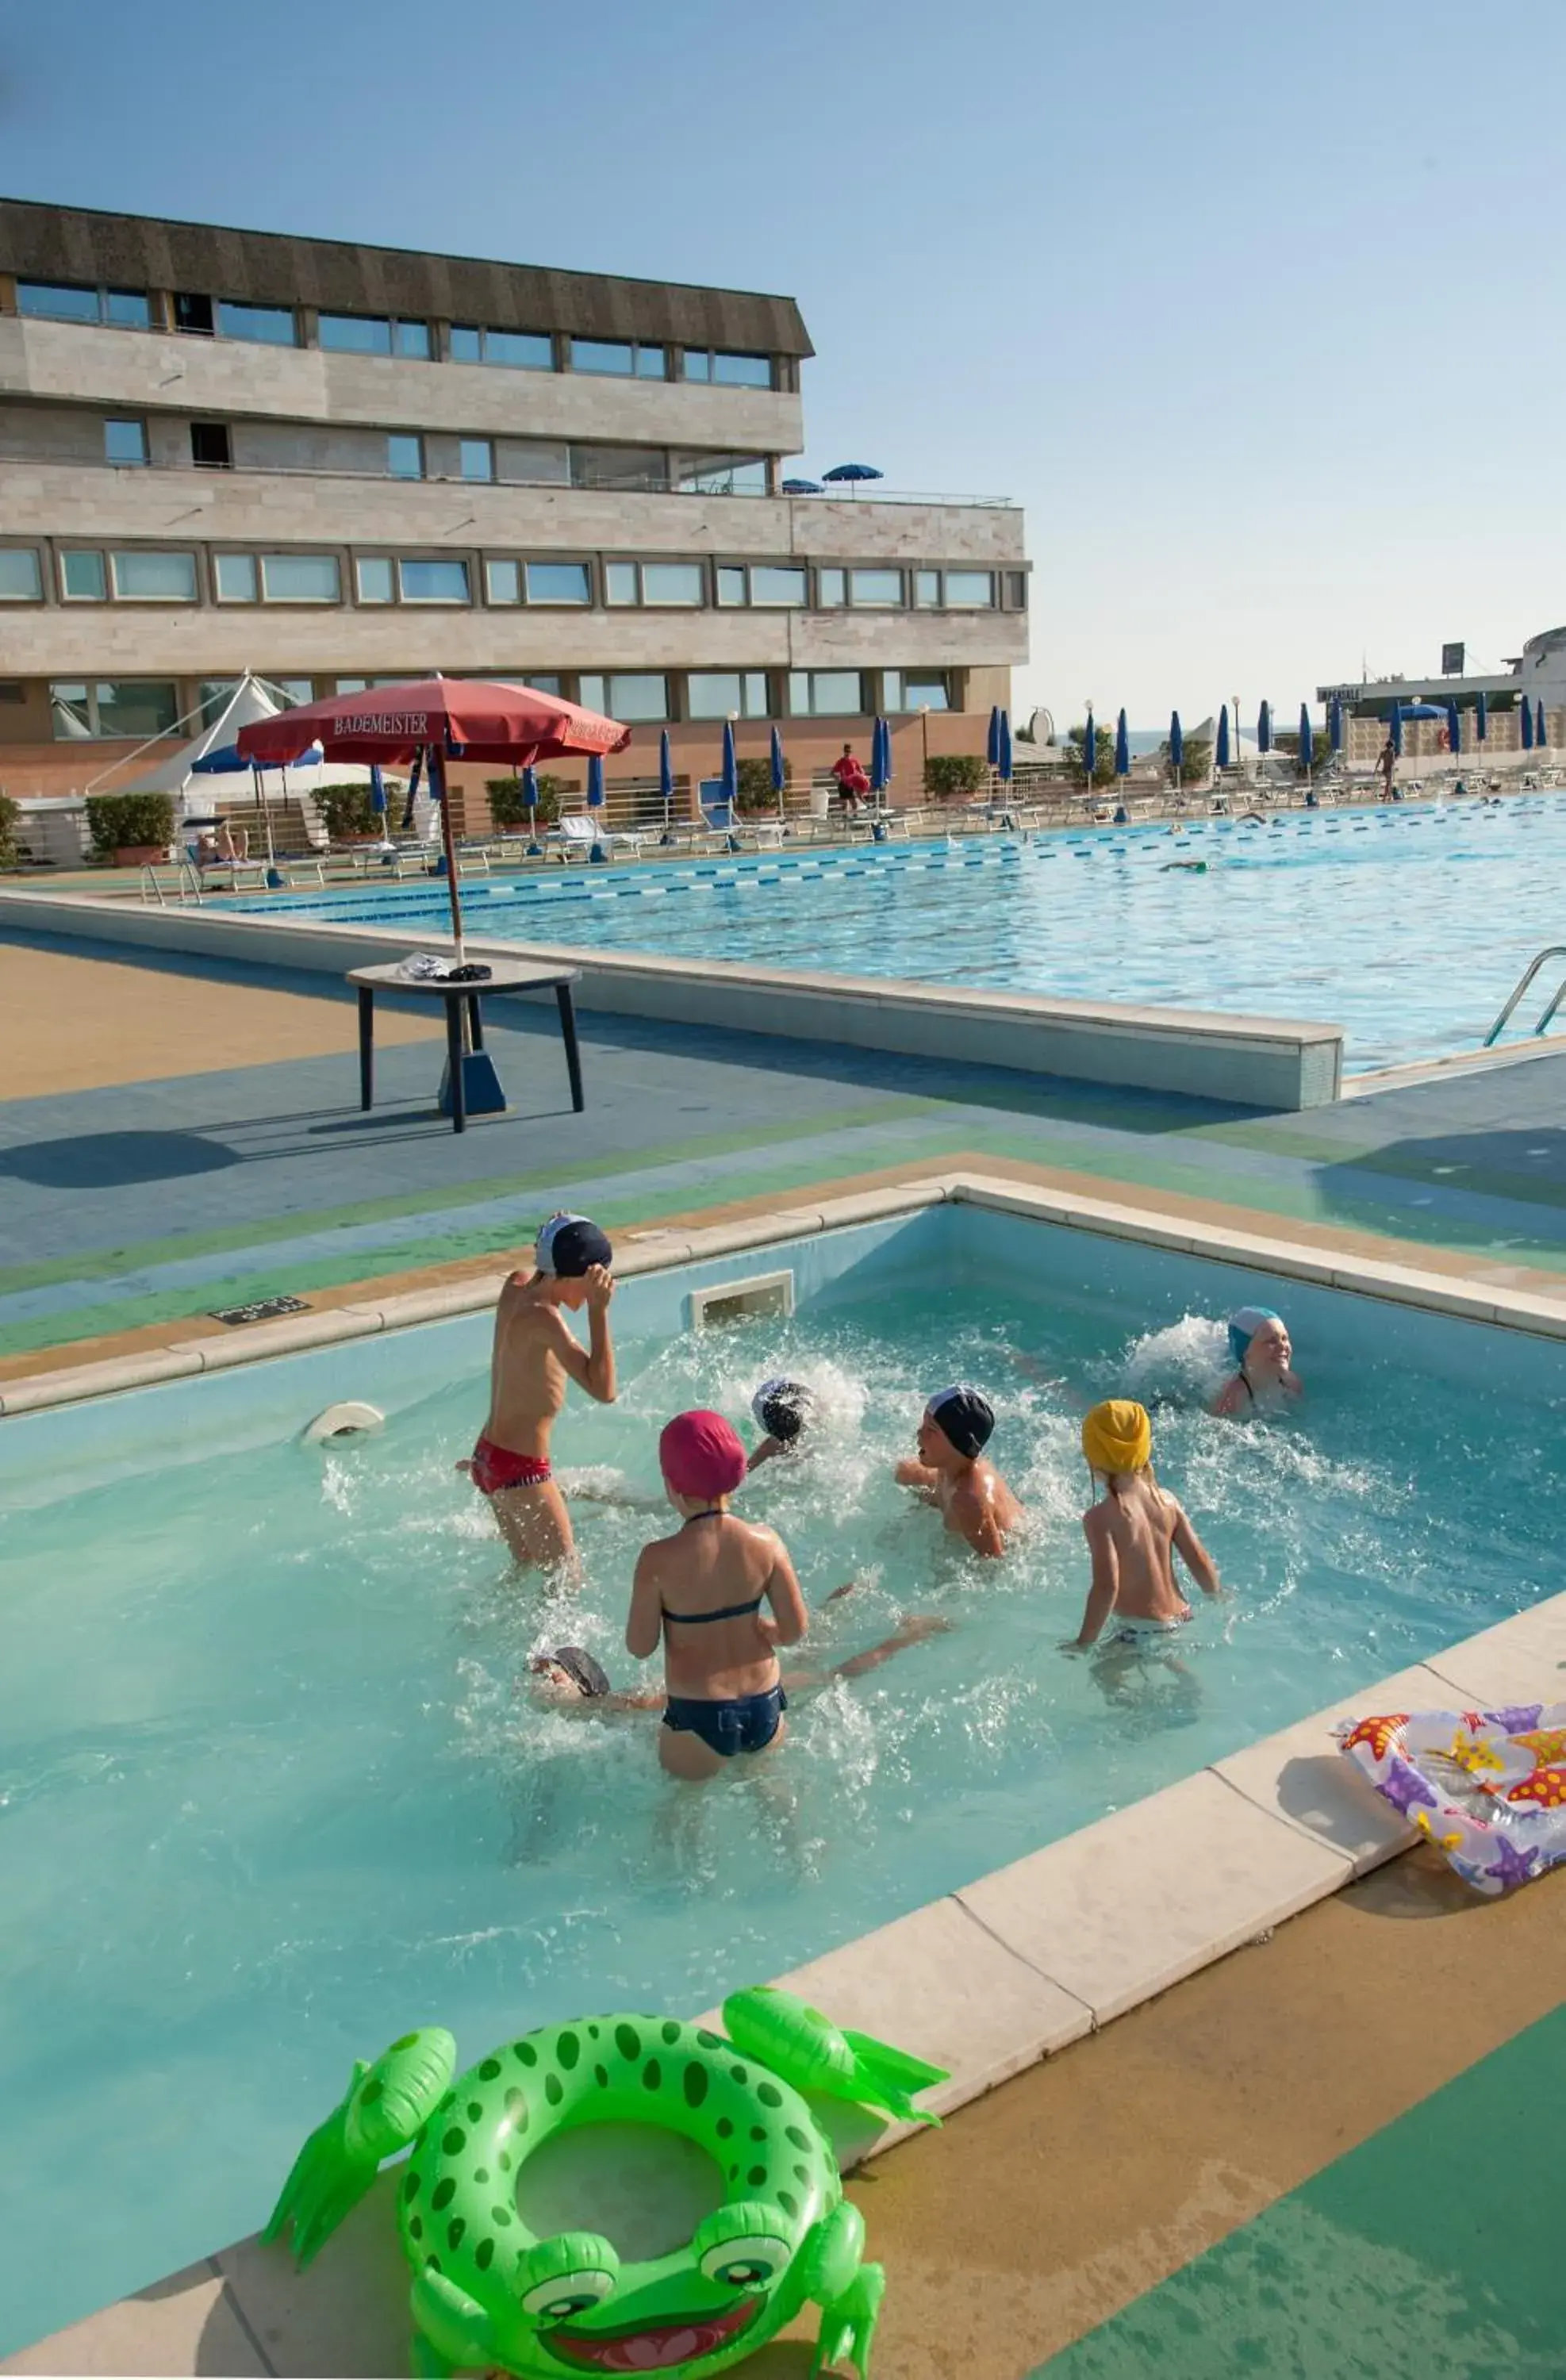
(384, 334)
(144, 707)
(514, 462)
(152, 575)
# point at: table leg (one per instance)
(453, 1060)
(568, 1035)
(475, 1024)
(366, 1046)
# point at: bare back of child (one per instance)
(1134, 1535)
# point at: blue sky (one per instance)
(1254, 309)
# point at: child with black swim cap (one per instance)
(785, 1411)
(952, 1473)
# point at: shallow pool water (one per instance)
(1407, 926)
(273, 1789)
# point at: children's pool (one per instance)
(273, 1791)
(1408, 927)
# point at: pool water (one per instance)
(1407, 926)
(273, 1790)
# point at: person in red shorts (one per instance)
(853, 781)
(536, 1353)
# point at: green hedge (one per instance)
(508, 807)
(8, 817)
(348, 810)
(122, 821)
(955, 776)
(755, 784)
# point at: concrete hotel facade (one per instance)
(223, 450)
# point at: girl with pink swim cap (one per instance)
(700, 1593)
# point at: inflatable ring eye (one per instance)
(568, 2294)
(742, 2247)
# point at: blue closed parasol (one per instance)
(1090, 750)
(1307, 739)
(1481, 719)
(1123, 747)
(1003, 759)
(1394, 729)
(530, 796)
(1335, 726)
(1527, 725)
(665, 781)
(1264, 728)
(1221, 750)
(1176, 744)
(595, 802)
(1540, 737)
(993, 741)
(1454, 729)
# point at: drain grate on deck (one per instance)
(261, 1309)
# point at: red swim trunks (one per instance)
(495, 1467)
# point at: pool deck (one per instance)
(1168, 2093)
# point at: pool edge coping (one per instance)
(656, 1248)
(1138, 1899)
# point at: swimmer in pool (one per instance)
(951, 1471)
(1259, 1343)
(1134, 1534)
(570, 1680)
(720, 1595)
(785, 1410)
(536, 1353)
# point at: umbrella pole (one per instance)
(454, 892)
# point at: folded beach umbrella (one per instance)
(1454, 729)
(1003, 762)
(1335, 726)
(1481, 719)
(1527, 725)
(1176, 744)
(1307, 738)
(1394, 729)
(993, 741)
(595, 801)
(1540, 737)
(1123, 747)
(1264, 728)
(1090, 749)
(665, 780)
(1221, 750)
(530, 800)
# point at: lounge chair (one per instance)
(577, 838)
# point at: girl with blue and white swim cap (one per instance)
(1261, 1350)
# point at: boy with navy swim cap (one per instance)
(784, 1409)
(536, 1353)
(952, 1474)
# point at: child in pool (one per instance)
(700, 1593)
(951, 1471)
(785, 1410)
(1133, 1534)
(570, 1680)
(1259, 1343)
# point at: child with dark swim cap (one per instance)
(536, 1353)
(1261, 1352)
(701, 1593)
(784, 1409)
(952, 1474)
(1132, 1536)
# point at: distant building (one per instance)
(1538, 672)
(331, 464)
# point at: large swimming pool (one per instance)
(1407, 926)
(273, 1791)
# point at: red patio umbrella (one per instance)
(463, 719)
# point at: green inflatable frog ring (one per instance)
(488, 2294)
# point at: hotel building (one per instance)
(227, 450)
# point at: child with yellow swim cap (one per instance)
(1134, 1533)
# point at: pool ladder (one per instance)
(1553, 951)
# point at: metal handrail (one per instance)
(1552, 951)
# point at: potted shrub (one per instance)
(754, 779)
(955, 776)
(508, 809)
(348, 814)
(131, 830)
(9, 855)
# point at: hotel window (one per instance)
(970, 590)
(127, 309)
(634, 698)
(876, 589)
(624, 359)
(715, 693)
(522, 350)
(732, 586)
(355, 334)
(728, 371)
(210, 447)
(503, 582)
(832, 589)
(915, 690)
(542, 684)
(300, 578)
(825, 694)
(234, 577)
(266, 326)
(559, 582)
(294, 691)
(1016, 590)
(21, 580)
(84, 577)
(129, 706)
(927, 590)
(124, 441)
(405, 455)
(476, 458)
(412, 340)
(375, 578)
(721, 475)
(533, 462)
(151, 577)
(672, 583)
(433, 582)
(635, 470)
(775, 583)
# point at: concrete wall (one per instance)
(148, 371)
(1254, 1062)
